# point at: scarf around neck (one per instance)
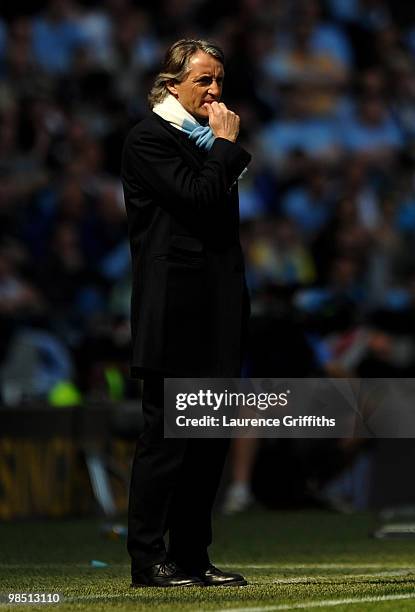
(172, 111)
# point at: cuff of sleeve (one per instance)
(232, 155)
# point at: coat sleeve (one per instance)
(155, 163)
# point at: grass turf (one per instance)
(293, 560)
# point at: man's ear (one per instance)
(171, 86)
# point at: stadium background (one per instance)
(326, 95)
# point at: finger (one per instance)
(223, 105)
(210, 111)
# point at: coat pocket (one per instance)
(181, 259)
(184, 250)
(187, 244)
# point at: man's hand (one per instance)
(224, 123)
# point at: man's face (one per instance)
(202, 84)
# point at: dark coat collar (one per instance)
(198, 153)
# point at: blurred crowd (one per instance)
(326, 95)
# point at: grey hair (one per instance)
(176, 65)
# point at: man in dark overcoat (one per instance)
(189, 304)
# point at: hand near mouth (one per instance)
(224, 122)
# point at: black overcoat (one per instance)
(189, 297)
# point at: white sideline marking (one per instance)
(319, 566)
(336, 577)
(321, 604)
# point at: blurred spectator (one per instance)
(309, 50)
(311, 205)
(106, 225)
(67, 279)
(3, 45)
(345, 236)
(96, 25)
(372, 14)
(372, 132)
(403, 101)
(296, 130)
(20, 69)
(276, 255)
(57, 37)
(357, 187)
(326, 95)
(238, 496)
(18, 297)
(36, 361)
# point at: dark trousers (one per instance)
(173, 487)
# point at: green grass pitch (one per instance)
(293, 561)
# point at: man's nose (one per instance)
(214, 89)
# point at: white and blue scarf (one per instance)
(172, 111)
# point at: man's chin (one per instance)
(201, 115)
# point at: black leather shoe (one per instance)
(166, 574)
(216, 577)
